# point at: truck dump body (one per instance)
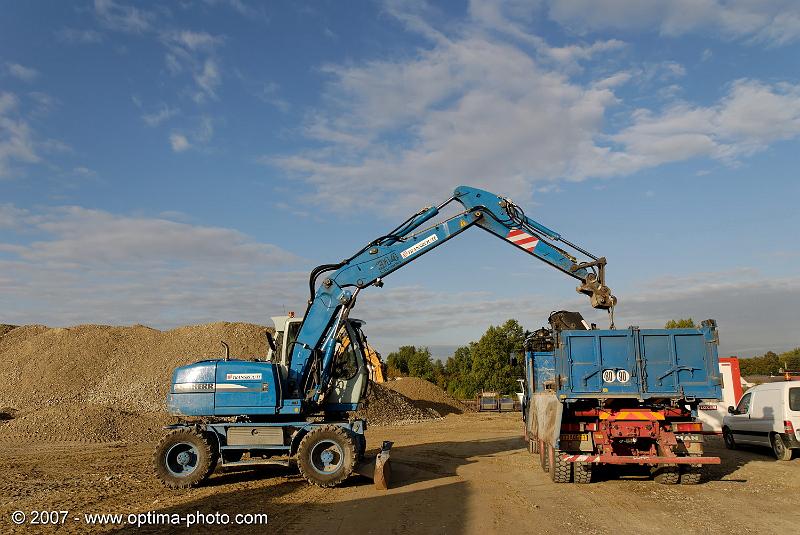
(632, 363)
(619, 397)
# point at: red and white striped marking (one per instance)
(580, 458)
(522, 239)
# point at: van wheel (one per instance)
(782, 453)
(727, 436)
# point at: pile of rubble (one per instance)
(427, 396)
(385, 406)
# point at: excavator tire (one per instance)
(183, 459)
(327, 455)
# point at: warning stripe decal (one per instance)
(522, 239)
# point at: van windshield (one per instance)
(794, 399)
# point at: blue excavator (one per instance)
(293, 405)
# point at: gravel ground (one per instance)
(466, 473)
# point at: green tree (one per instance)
(491, 369)
(771, 363)
(412, 361)
(687, 323)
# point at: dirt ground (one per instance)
(467, 473)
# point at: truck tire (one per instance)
(544, 460)
(727, 437)
(184, 458)
(533, 446)
(691, 475)
(582, 472)
(666, 475)
(782, 453)
(561, 471)
(327, 455)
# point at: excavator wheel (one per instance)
(327, 455)
(184, 458)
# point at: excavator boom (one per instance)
(314, 350)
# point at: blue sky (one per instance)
(187, 162)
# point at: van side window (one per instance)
(794, 399)
(744, 404)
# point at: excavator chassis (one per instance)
(326, 453)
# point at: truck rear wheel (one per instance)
(327, 455)
(582, 472)
(533, 446)
(666, 475)
(183, 459)
(561, 471)
(691, 475)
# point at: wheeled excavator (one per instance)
(293, 405)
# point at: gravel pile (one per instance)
(389, 407)
(95, 382)
(427, 396)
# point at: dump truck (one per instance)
(619, 397)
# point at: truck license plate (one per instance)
(575, 437)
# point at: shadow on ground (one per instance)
(436, 505)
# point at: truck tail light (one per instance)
(788, 428)
(572, 428)
(688, 427)
(592, 426)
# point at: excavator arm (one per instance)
(313, 352)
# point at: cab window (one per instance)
(794, 399)
(346, 364)
(292, 330)
(744, 404)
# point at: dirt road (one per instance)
(464, 474)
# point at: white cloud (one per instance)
(243, 8)
(21, 72)
(489, 110)
(178, 142)
(156, 118)
(16, 137)
(11, 216)
(121, 17)
(774, 22)
(94, 266)
(79, 36)
(195, 40)
(750, 117)
(207, 79)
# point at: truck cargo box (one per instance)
(631, 363)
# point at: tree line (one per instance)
(481, 365)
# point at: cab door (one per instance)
(740, 422)
(350, 372)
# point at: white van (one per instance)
(767, 415)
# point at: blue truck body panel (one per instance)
(632, 363)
